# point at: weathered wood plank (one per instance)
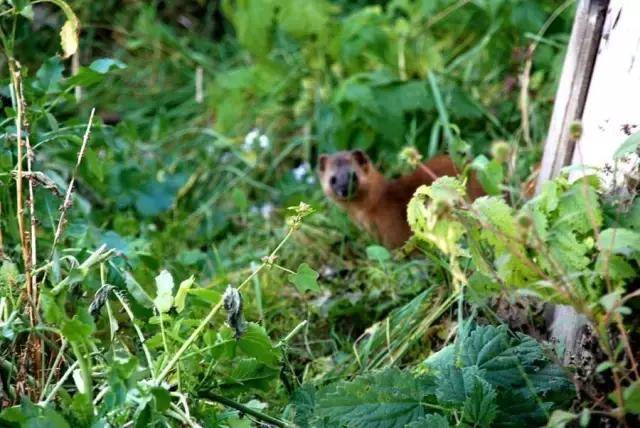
(573, 86)
(600, 88)
(611, 109)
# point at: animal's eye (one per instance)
(332, 180)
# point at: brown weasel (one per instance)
(375, 203)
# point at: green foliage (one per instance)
(489, 377)
(207, 123)
(555, 246)
(305, 278)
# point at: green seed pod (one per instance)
(524, 220)
(500, 151)
(575, 130)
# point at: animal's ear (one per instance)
(322, 162)
(360, 157)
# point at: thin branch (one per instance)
(67, 199)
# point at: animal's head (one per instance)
(346, 176)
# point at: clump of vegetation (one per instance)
(152, 274)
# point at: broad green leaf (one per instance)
(253, 21)
(181, 295)
(136, 290)
(619, 241)
(77, 330)
(490, 174)
(429, 421)
(560, 419)
(631, 396)
(103, 65)
(305, 279)
(480, 406)
(49, 75)
(255, 342)
(301, 19)
(161, 397)
(249, 373)
(164, 292)
(304, 402)
(579, 207)
(378, 253)
(390, 398)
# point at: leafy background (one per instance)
(209, 118)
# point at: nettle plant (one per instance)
(488, 377)
(574, 244)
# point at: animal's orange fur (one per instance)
(378, 204)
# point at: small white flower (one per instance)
(311, 179)
(266, 210)
(250, 138)
(263, 141)
(301, 171)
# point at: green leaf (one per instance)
(489, 173)
(136, 290)
(630, 145)
(240, 199)
(164, 292)
(255, 342)
(181, 295)
(480, 406)
(389, 398)
(76, 330)
(249, 373)
(305, 278)
(579, 207)
(104, 65)
(379, 253)
(161, 397)
(560, 419)
(429, 421)
(619, 241)
(301, 19)
(610, 301)
(632, 398)
(28, 415)
(49, 75)
(304, 402)
(253, 21)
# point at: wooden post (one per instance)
(599, 86)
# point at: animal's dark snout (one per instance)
(344, 184)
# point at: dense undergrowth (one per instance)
(196, 173)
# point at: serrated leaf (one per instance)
(164, 292)
(579, 207)
(255, 342)
(389, 398)
(305, 279)
(480, 406)
(304, 402)
(619, 241)
(429, 421)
